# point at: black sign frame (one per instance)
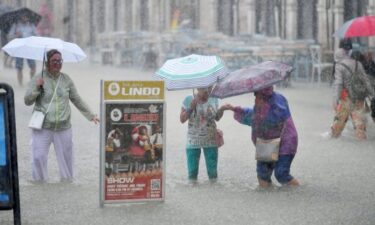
(6, 183)
(7, 95)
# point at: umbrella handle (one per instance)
(41, 86)
(195, 109)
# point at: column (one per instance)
(166, 14)
(128, 16)
(122, 21)
(154, 15)
(109, 16)
(213, 15)
(58, 18)
(136, 23)
(251, 16)
(69, 25)
(371, 11)
(82, 30)
(208, 15)
(291, 19)
(322, 23)
(338, 12)
(235, 17)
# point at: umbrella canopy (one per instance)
(4, 36)
(4, 9)
(10, 17)
(35, 48)
(193, 71)
(251, 78)
(358, 27)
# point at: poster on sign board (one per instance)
(133, 143)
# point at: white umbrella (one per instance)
(193, 71)
(35, 48)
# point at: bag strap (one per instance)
(54, 93)
(347, 67)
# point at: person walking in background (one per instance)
(270, 118)
(369, 66)
(350, 88)
(45, 26)
(57, 126)
(7, 60)
(201, 112)
(22, 29)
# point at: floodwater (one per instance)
(336, 176)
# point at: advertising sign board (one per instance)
(132, 141)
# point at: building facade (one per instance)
(84, 21)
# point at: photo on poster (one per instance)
(133, 150)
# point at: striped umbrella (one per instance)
(363, 26)
(193, 71)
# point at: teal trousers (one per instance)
(211, 157)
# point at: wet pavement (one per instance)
(337, 176)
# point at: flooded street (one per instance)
(336, 175)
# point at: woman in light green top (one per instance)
(201, 112)
(56, 127)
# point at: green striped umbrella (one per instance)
(193, 71)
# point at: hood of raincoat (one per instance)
(341, 54)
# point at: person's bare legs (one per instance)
(19, 77)
(32, 72)
(293, 183)
(263, 183)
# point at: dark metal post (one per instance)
(13, 151)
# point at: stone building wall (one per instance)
(84, 21)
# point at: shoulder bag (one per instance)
(219, 138)
(267, 150)
(37, 118)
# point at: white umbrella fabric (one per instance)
(193, 71)
(35, 47)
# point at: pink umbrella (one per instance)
(358, 27)
(251, 78)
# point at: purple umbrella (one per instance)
(251, 78)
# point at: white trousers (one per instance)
(63, 144)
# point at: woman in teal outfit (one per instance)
(201, 112)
